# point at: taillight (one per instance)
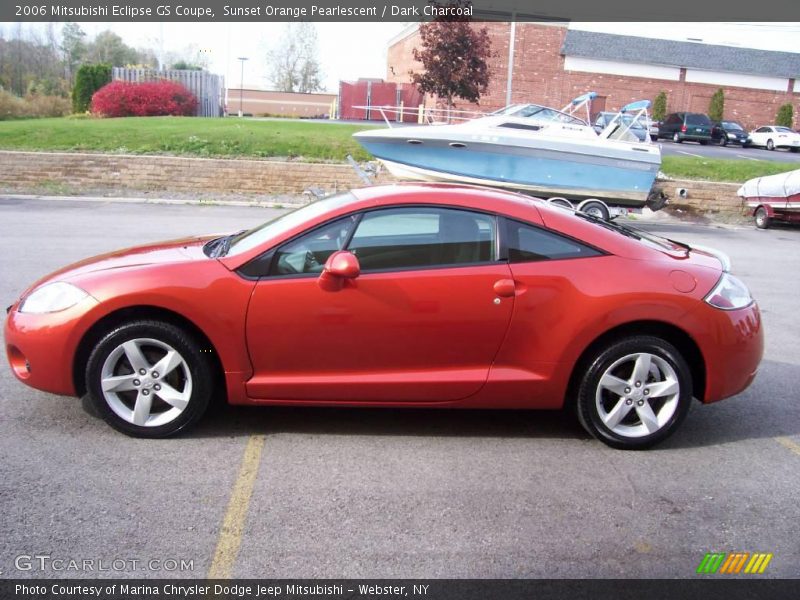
(683, 128)
(729, 294)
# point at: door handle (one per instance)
(505, 288)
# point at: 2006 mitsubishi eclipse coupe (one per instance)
(405, 295)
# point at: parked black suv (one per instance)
(682, 126)
(730, 132)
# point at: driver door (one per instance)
(421, 323)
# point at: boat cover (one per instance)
(782, 185)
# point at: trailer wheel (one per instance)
(596, 209)
(761, 218)
(561, 202)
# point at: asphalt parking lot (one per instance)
(295, 492)
(730, 152)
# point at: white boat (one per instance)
(531, 148)
(773, 198)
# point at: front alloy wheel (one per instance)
(635, 393)
(676, 138)
(149, 379)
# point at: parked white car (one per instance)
(774, 136)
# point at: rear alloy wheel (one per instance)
(761, 218)
(149, 379)
(723, 141)
(635, 393)
(770, 145)
(676, 138)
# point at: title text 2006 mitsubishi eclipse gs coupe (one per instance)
(405, 295)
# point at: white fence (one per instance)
(207, 87)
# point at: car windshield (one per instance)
(251, 238)
(692, 119)
(732, 125)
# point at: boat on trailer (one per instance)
(773, 198)
(533, 149)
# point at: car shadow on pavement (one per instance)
(227, 421)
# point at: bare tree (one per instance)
(294, 63)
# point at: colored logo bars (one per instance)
(734, 563)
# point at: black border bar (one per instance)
(701, 587)
(394, 10)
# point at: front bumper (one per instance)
(41, 347)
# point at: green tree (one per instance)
(108, 48)
(716, 107)
(73, 47)
(182, 65)
(660, 106)
(88, 80)
(785, 115)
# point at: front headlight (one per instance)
(729, 294)
(732, 136)
(52, 297)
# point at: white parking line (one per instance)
(690, 154)
(749, 158)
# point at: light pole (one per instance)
(241, 85)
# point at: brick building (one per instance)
(553, 64)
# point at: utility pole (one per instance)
(241, 85)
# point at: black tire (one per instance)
(592, 396)
(676, 138)
(596, 209)
(770, 145)
(653, 138)
(793, 149)
(192, 378)
(723, 141)
(761, 218)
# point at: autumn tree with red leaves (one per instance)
(454, 55)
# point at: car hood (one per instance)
(179, 250)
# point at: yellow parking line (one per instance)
(230, 535)
(787, 443)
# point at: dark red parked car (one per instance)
(408, 295)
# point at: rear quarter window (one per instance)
(528, 243)
(696, 119)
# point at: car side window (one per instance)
(763, 130)
(308, 253)
(420, 237)
(527, 243)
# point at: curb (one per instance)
(141, 200)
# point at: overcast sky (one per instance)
(352, 50)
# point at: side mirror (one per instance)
(340, 266)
